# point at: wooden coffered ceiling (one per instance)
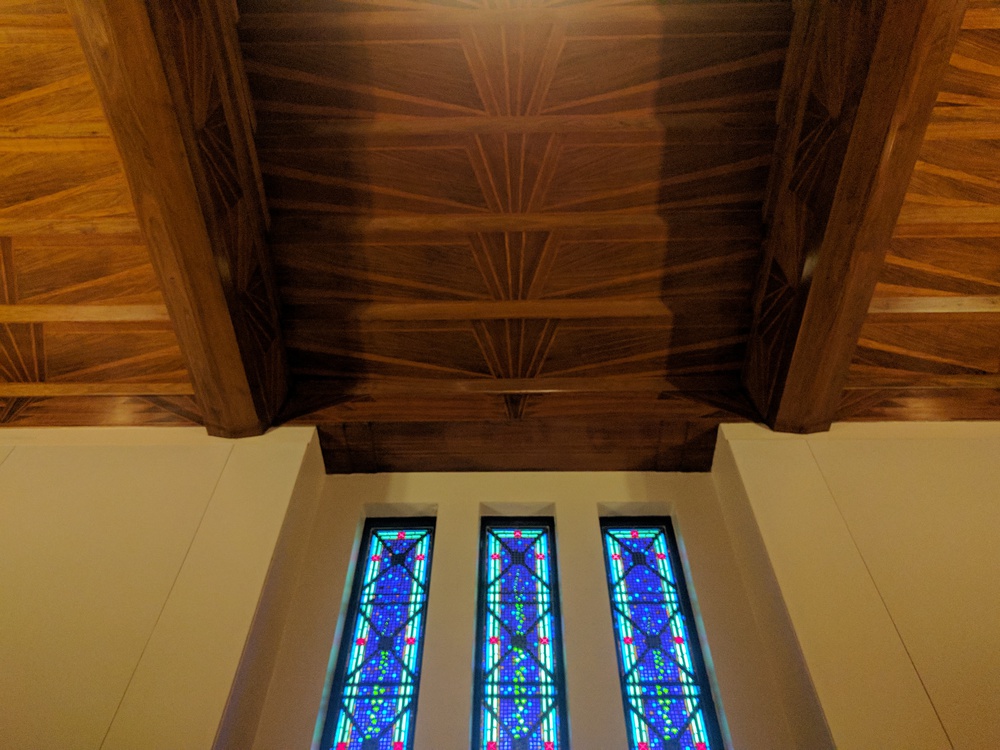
(499, 234)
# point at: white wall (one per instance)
(883, 540)
(755, 713)
(131, 564)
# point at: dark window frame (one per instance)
(335, 694)
(713, 725)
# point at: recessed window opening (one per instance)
(373, 696)
(665, 686)
(520, 688)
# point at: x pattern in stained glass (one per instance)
(520, 690)
(667, 696)
(373, 705)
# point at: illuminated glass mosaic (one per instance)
(373, 697)
(668, 700)
(520, 688)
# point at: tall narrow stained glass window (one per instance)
(373, 696)
(665, 687)
(520, 689)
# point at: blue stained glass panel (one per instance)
(668, 699)
(373, 697)
(520, 688)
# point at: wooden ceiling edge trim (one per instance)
(45, 313)
(562, 309)
(393, 386)
(810, 304)
(50, 390)
(935, 305)
(206, 247)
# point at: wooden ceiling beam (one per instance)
(170, 78)
(860, 83)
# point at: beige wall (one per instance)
(845, 585)
(131, 563)
(883, 539)
(755, 714)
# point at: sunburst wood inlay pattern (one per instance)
(513, 194)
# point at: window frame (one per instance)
(559, 651)
(709, 706)
(339, 675)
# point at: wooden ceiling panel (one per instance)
(947, 266)
(620, 444)
(941, 344)
(81, 407)
(75, 187)
(486, 220)
(77, 270)
(132, 353)
(84, 333)
(625, 263)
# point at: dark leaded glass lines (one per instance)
(374, 693)
(668, 701)
(520, 690)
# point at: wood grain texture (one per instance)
(170, 85)
(858, 93)
(629, 444)
(499, 227)
(81, 314)
(930, 338)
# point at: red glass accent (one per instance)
(341, 746)
(700, 746)
(616, 556)
(491, 746)
(539, 556)
(361, 641)
(544, 641)
(635, 534)
(494, 640)
(400, 535)
(628, 640)
(660, 556)
(397, 746)
(410, 641)
(420, 557)
(643, 746)
(494, 556)
(517, 533)
(376, 558)
(550, 746)
(678, 639)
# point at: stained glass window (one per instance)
(668, 700)
(520, 688)
(373, 697)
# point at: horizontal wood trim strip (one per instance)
(46, 390)
(865, 381)
(41, 34)
(71, 130)
(667, 19)
(922, 213)
(982, 18)
(507, 309)
(289, 225)
(80, 313)
(699, 127)
(12, 227)
(24, 145)
(975, 304)
(424, 387)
